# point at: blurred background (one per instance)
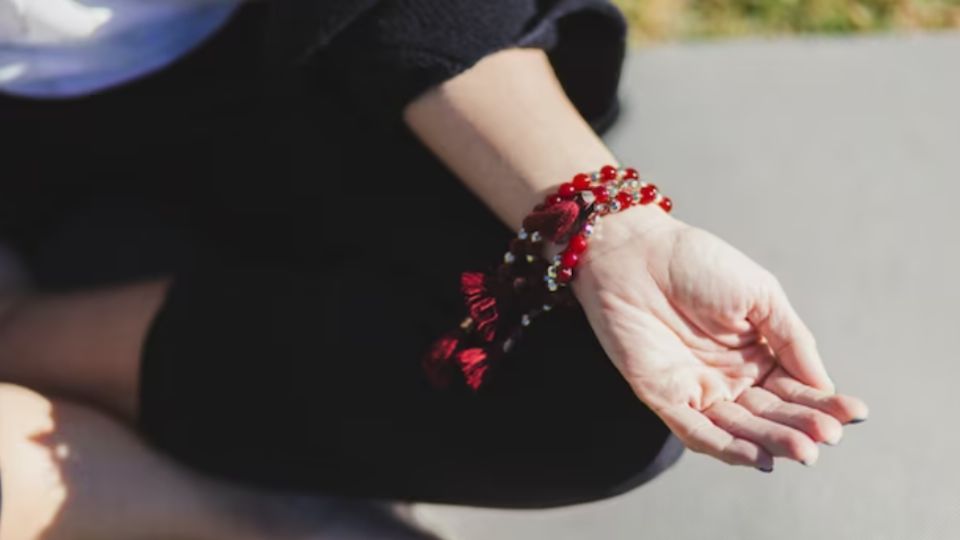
(821, 137)
(659, 20)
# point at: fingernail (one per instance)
(765, 470)
(857, 421)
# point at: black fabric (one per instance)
(315, 247)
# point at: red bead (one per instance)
(648, 193)
(601, 194)
(578, 244)
(567, 190)
(625, 200)
(608, 172)
(553, 199)
(666, 204)
(581, 181)
(569, 259)
(565, 275)
(631, 174)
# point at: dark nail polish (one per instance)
(761, 469)
(857, 421)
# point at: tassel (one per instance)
(474, 365)
(437, 363)
(481, 306)
(473, 285)
(555, 221)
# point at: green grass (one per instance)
(656, 20)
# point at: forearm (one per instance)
(508, 131)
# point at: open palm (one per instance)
(708, 340)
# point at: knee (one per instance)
(22, 410)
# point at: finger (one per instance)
(845, 409)
(819, 426)
(778, 439)
(791, 340)
(699, 434)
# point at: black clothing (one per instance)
(315, 248)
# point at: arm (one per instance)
(704, 336)
(470, 125)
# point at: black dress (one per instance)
(315, 248)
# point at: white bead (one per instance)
(531, 258)
(525, 320)
(547, 307)
(535, 237)
(552, 286)
(522, 234)
(508, 258)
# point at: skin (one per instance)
(704, 336)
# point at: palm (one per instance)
(692, 324)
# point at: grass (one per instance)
(658, 20)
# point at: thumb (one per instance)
(792, 342)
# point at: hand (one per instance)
(708, 340)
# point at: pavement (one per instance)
(836, 164)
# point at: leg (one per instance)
(70, 472)
(85, 345)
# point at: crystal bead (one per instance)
(552, 286)
(509, 258)
(648, 193)
(614, 206)
(535, 237)
(522, 234)
(581, 182)
(531, 258)
(578, 244)
(547, 307)
(569, 260)
(525, 320)
(666, 204)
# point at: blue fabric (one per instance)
(138, 38)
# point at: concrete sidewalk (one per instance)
(836, 164)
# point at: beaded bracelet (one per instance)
(501, 304)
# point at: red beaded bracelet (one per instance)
(500, 304)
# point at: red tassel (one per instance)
(437, 363)
(473, 285)
(474, 365)
(553, 222)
